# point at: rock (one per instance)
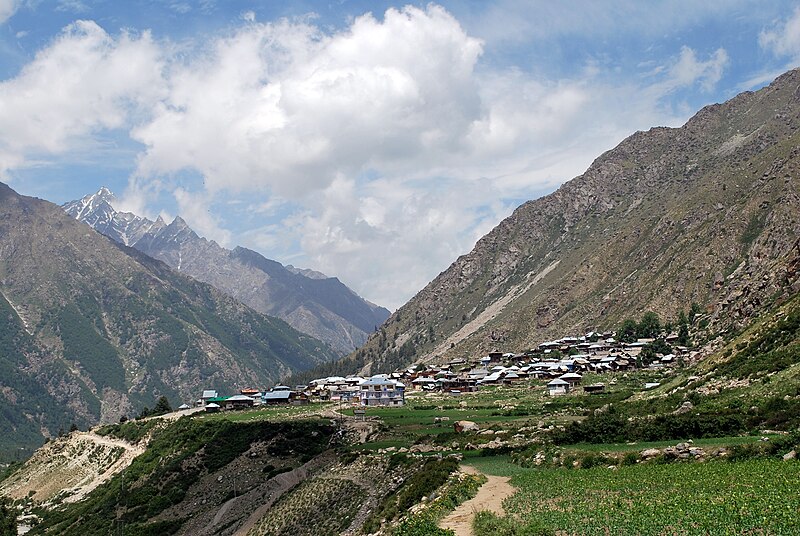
(791, 455)
(465, 426)
(650, 453)
(487, 432)
(719, 452)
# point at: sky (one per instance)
(372, 141)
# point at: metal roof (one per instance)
(276, 395)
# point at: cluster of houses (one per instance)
(379, 390)
(562, 362)
(212, 402)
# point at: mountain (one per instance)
(706, 214)
(309, 301)
(91, 330)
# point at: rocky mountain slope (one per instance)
(707, 213)
(91, 330)
(309, 301)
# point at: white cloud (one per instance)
(388, 144)
(74, 6)
(84, 82)
(386, 239)
(689, 70)
(7, 9)
(249, 16)
(180, 8)
(299, 107)
(783, 39)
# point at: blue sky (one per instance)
(373, 141)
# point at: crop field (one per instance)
(320, 507)
(757, 496)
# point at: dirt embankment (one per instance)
(490, 497)
(73, 466)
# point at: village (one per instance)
(559, 365)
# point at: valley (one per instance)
(620, 356)
(629, 459)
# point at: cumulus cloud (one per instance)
(84, 82)
(783, 39)
(390, 240)
(7, 9)
(689, 69)
(297, 107)
(377, 153)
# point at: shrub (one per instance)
(421, 525)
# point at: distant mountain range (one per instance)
(309, 301)
(92, 330)
(708, 213)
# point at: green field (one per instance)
(749, 497)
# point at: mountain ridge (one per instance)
(309, 301)
(706, 213)
(93, 330)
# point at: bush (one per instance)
(421, 525)
(630, 458)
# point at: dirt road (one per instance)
(490, 497)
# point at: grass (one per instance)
(749, 497)
(263, 413)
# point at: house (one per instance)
(238, 402)
(212, 407)
(572, 378)
(595, 388)
(276, 397)
(382, 391)
(557, 387)
(208, 394)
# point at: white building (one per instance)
(382, 391)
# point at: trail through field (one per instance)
(490, 497)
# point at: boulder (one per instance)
(650, 453)
(791, 455)
(465, 426)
